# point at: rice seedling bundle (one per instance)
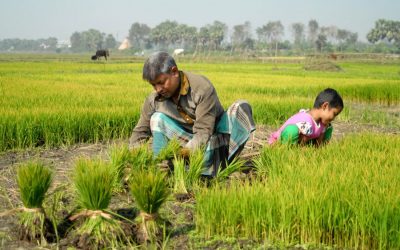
(150, 191)
(33, 179)
(94, 182)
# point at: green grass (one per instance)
(333, 196)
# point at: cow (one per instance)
(100, 53)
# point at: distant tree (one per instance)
(93, 39)
(139, 34)
(330, 33)
(385, 30)
(217, 32)
(187, 36)
(312, 31)
(346, 38)
(272, 32)
(49, 44)
(77, 43)
(110, 42)
(89, 40)
(164, 35)
(203, 38)
(321, 42)
(241, 37)
(298, 34)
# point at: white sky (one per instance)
(33, 19)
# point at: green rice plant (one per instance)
(33, 179)
(126, 162)
(52, 102)
(168, 152)
(312, 197)
(196, 168)
(187, 173)
(119, 158)
(235, 165)
(94, 182)
(179, 176)
(150, 191)
(141, 157)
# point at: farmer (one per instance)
(185, 106)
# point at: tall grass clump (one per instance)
(33, 179)
(94, 182)
(150, 191)
(313, 197)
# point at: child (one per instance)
(311, 126)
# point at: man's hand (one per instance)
(184, 153)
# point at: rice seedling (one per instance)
(179, 176)
(168, 152)
(119, 158)
(196, 168)
(235, 165)
(149, 190)
(126, 162)
(33, 179)
(141, 157)
(93, 181)
(187, 173)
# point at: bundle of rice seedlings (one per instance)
(119, 158)
(187, 175)
(179, 176)
(33, 180)
(196, 168)
(93, 181)
(150, 191)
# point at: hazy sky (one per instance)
(33, 19)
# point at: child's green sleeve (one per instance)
(290, 135)
(328, 133)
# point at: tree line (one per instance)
(268, 39)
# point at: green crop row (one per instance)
(334, 196)
(54, 101)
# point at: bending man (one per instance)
(185, 106)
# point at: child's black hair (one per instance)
(330, 96)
